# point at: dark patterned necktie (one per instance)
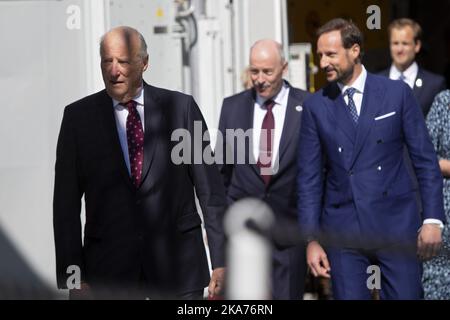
(351, 104)
(265, 143)
(135, 139)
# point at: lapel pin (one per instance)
(299, 108)
(419, 83)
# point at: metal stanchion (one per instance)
(247, 224)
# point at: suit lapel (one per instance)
(371, 104)
(108, 121)
(249, 111)
(418, 90)
(153, 122)
(340, 113)
(291, 123)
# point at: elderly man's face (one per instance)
(122, 66)
(266, 70)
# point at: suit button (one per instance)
(380, 141)
(350, 173)
(385, 194)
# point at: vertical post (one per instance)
(247, 224)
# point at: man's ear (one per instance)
(145, 61)
(417, 46)
(285, 67)
(355, 51)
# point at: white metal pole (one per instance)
(249, 250)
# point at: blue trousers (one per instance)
(400, 273)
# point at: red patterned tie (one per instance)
(265, 143)
(135, 139)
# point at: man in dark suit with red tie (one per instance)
(142, 236)
(264, 166)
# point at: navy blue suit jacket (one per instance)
(365, 195)
(432, 84)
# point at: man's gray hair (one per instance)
(128, 32)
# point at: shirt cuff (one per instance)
(434, 221)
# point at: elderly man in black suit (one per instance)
(143, 235)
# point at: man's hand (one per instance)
(444, 164)
(317, 260)
(216, 284)
(84, 293)
(429, 241)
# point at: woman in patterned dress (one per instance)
(436, 273)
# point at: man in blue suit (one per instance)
(270, 114)
(356, 197)
(405, 43)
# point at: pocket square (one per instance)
(387, 115)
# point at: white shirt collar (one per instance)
(410, 74)
(278, 99)
(139, 99)
(358, 84)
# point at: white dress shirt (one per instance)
(410, 74)
(121, 114)
(359, 84)
(279, 113)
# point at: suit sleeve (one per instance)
(209, 187)
(223, 150)
(67, 203)
(423, 157)
(310, 175)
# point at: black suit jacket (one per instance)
(153, 232)
(432, 84)
(244, 180)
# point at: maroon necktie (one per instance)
(135, 139)
(265, 143)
